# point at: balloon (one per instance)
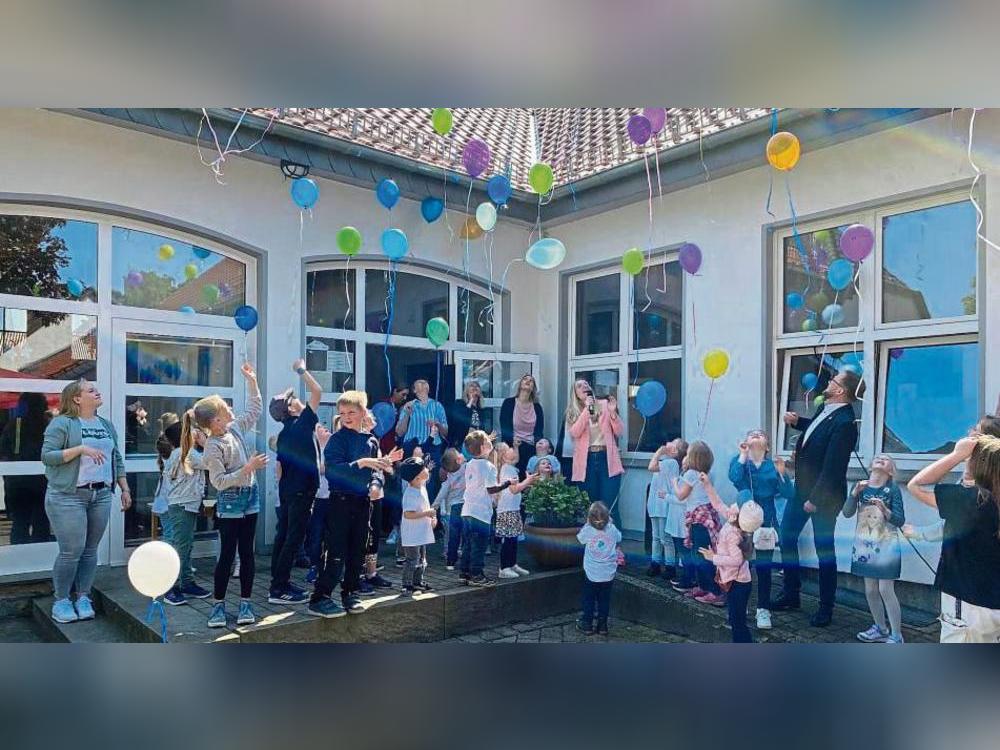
(783, 151)
(210, 293)
(190, 271)
(304, 192)
(897, 352)
(153, 568)
(633, 261)
(394, 243)
(657, 117)
(470, 230)
(809, 324)
(441, 120)
(690, 257)
(817, 301)
(225, 290)
(431, 208)
(387, 192)
(437, 331)
(486, 215)
(74, 287)
(856, 242)
(166, 252)
(201, 253)
(794, 301)
(349, 241)
(546, 253)
(823, 237)
(385, 418)
(639, 129)
(476, 157)
(186, 309)
(133, 279)
(809, 381)
(840, 273)
(540, 178)
(833, 315)
(715, 363)
(819, 401)
(499, 189)
(246, 318)
(650, 398)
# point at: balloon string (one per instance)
(803, 256)
(156, 607)
(391, 299)
(975, 181)
(770, 174)
(708, 404)
(347, 316)
(649, 241)
(701, 149)
(216, 164)
(659, 184)
(857, 332)
(826, 343)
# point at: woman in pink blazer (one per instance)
(595, 427)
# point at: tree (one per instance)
(155, 288)
(969, 300)
(31, 257)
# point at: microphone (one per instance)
(590, 406)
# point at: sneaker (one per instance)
(714, 599)
(424, 587)
(695, 592)
(195, 591)
(585, 627)
(763, 619)
(353, 605)
(63, 611)
(480, 581)
(602, 627)
(365, 588)
(246, 615)
(521, 571)
(296, 590)
(874, 634)
(174, 598)
(288, 596)
(400, 561)
(379, 582)
(408, 590)
(84, 608)
(507, 573)
(392, 538)
(890, 639)
(449, 567)
(218, 617)
(681, 586)
(312, 575)
(325, 607)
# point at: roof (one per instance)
(576, 142)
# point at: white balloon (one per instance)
(486, 216)
(546, 253)
(153, 568)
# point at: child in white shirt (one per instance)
(509, 524)
(600, 563)
(481, 487)
(662, 506)
(416, 529)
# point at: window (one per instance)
(329, 294)
(806, 262)
(42, 256)
(417, 300)
(646, 435)
(172, 360)
(475, 318)
(331, 361)
(807, 380)
(598, 307)
(404, 366)
(147, 416)
(656, 307)
(47, 345)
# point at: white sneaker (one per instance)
(521, 571)
(507, 573)
(449, 567)
(764, 619)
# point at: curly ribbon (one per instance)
(347, 315)
(156, 607)
(975, 181)
(770, 173)
(803, 255)
(391, 303)
(216, 165)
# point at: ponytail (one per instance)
(187, 443)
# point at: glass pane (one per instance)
(604, 382)
(23, 419)
(331, 361)
(417, 300)
(149, 270)
(803, 401)
(666, 424)
(475, 318)
(405, 366)
(147, 416)
(47, 257)
(805, 270)
(598, 305)
(47, 345)
(173, 360)
(22, 511)
(139, 516)
(931, 397)
(498, 379)
(330, 298)
(929, 263)
(657, 306)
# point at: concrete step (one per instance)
(102, 629)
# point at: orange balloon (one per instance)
(470, 229)
(783, 151)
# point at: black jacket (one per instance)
(507, 421)
(821, 463)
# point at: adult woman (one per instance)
(82, 464)
(468, 413)
(595, 427)
(522, 421)
(25, 495)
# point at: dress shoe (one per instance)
(821, 619)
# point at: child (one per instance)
(231, 467)
(600, 563)
(449, 501)
(876, 555)
(665, 467)
(545, 467)
(543, 453)
(183, 487)
(371, 579)
(732, 554)
(702, 524)
(417, 527)
(477, 507)
(753, 471)
(509, 525)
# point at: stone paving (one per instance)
(562, 629)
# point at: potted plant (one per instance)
(556, 511)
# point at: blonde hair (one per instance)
(449, 460)
(465, 390)
(700, 457)
(475, 441)
(357, 399)
(575, 406)
(888, 460)
(187, 444)
(499, 450)
(67, 405)
(598, 515)
(984, 466)
(534, 387)
(206, 409)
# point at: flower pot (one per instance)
(554, 547)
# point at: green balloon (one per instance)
(819, 401)
(540, 178)
(441, 120)
(633, 261)
(349, 241)
(210, 293)
(809, 324)
(437, 331)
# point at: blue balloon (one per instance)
(546, 253)
(201, 253)
(499, 190)
(385, 418)
(840, 273)
(304, 192)
(394, 243)
(652, 397)
(246, 318)
(75, 287)
(852, 358)
(431, 208)
(387, 192)
(186, 309)
(795, 301)
(809, 381)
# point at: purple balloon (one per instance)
(134, 279)
(690, 257)
(639, 129)
(896, 352)
(856, 242)
(657, 117)
(476, 157)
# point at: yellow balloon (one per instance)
(783, 151)
(470, 229)
(166, 252)
(716, 363)
(190, 271)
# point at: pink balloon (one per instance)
(476, 157)
(857, 242)
(657, 117)
(690, 257)
(639, 129)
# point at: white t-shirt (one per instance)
(698, 496)
(323, 491)
(508, 500)
(96, 435)
(661, 488)
(478, 504)
(600, 554)
(416, 531)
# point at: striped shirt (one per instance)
(418, 429)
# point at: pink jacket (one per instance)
(611, 427)
(728, 559)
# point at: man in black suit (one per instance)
(821, 458)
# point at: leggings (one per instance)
(508, 552)
(879, 592)
(235, 534)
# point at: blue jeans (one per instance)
(78, 520)
(685, 572)
(178, 532)
(475, 538)
(704, 570)
(824, 522)
(454, 533)
(314, 535)
(595, 596)
(737, 599)
(600, 487)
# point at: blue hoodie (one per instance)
(764, 482)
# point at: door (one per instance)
(497, 373)
(162, 369)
